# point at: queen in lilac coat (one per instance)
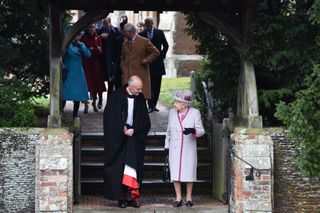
(184, 126)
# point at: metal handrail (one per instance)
(226, 133)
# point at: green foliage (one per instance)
(24, 44)
(22, 115)
(24, 64)
(302, 117)
(283, 49)
(314, 12)
(221, 66)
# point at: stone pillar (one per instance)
(54, 171)
(256, 147)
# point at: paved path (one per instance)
(152, 203)
(93, 121)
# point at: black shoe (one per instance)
(150, 110)
(122, 204)
(155, 110)
(134, 204)
(189, 203)
(177, 203)
(100, 105)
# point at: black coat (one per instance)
(109, 48)
(117, 60)
(120, 149)
(159, 40)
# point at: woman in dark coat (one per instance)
(92, 67)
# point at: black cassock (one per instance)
(121, 150)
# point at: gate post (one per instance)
(54, 172)
(55, 39)
(252, 189)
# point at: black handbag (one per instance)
(166, 171)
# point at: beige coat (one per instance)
(183, 148)
(131, 61)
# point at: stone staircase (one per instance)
(91, 180)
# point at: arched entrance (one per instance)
(247, 108)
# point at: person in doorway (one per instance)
(108, 35)
(74, 86)
(126, 125)
(93, 68)
(117, 57)
(184, 126)
(140, 27)
(157, 68)
(137, 53)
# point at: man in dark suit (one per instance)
(108, 34)
(157, 69)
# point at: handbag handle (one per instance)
(166, 170)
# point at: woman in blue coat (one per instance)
(74, 87)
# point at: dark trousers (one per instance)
(111, 87)
(76, 105)
(155, 91)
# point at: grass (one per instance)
(42, 110)
(41, 102)
(168, 85)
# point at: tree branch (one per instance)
(88, 18)
(221, 25)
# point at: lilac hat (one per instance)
(183, 96)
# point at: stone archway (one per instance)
(247, 109)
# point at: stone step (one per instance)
(144, 182)
(204, 173)
(149, 149)
(153, 139)
(155, 209)
(94, 186)
(92, 162)
(152, 154)
(146, 164)
(151, 203)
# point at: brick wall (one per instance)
(256, 147)
(186, 66)
(54, 169)
(184, 45)
(17, 169)
(293, 192)
(36, 170)
(281, 187)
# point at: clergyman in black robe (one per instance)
(126, 125)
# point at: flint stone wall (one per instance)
(281, 187)
(293, 191)
(36, 170)
(17, 169)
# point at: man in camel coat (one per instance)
(137, 53)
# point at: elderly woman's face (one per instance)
(179, 105)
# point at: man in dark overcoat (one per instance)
(126, 125)
(108, 34)
(157, 68)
